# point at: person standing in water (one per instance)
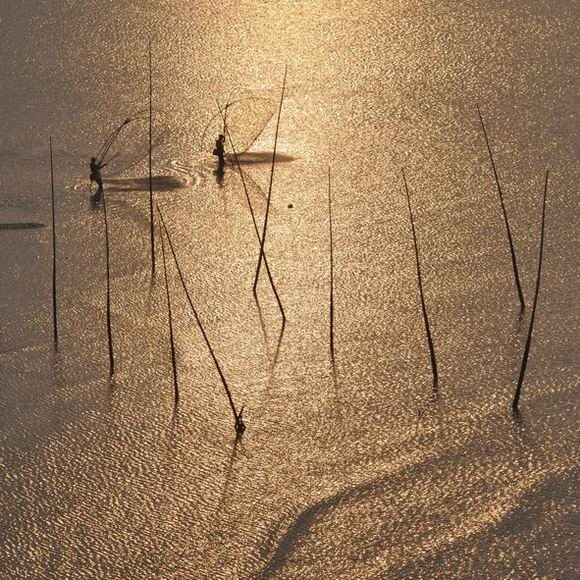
(219, 151)
(96, 175)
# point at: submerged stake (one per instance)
(263, 240)
(331, 270)
(420, 283)
(516, 400)
(152, 235)
(237, 416)
(54, 304)
(170, 320)
(268, 271)
(505, 217)
(108, 293)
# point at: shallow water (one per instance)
(356, 471)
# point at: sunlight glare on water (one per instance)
(357, 470)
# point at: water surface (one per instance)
(356, 471)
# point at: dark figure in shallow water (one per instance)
(219, 151)
(96, 175)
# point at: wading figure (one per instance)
(219, 151)
(96, 176)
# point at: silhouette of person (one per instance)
(219, 151)
(96, 175)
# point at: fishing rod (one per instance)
(106, 146)
(102, 153)
(112, 137)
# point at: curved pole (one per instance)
(101, 154)
(505, 217)
(170, 320)
(264, 230)
(237, 416)
(516, 401)
(251, 208)
(420, 283)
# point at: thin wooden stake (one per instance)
(54, 299)
(251, 208)
(108, 292)
(331, 269)
(264, 231)
(152, 234)
(505, 217)
(516, 401)
(420, 283)
(239, 424)
(170, 319)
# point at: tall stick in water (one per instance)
(152, 235)
(264, 230)
(239, 424)
(331, 269)
(516, 401)
(267, 266)
(54, 305)
(170, 318)
(108, 292)
(420, 283)
(505, 217)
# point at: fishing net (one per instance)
(127, 144)
(246, 118)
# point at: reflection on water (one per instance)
(346, 470)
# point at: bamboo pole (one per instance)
(420, 284)
(170, 321)
(54, 298)
(505, 217)
(108, 291)
(516, 400)
(152, 235)
(239, 423)
(264, 231)
(251, 208)
(331, 269)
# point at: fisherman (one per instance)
(240, 425)
(96, 175)
(219, 151)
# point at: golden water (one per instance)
(356, 473)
